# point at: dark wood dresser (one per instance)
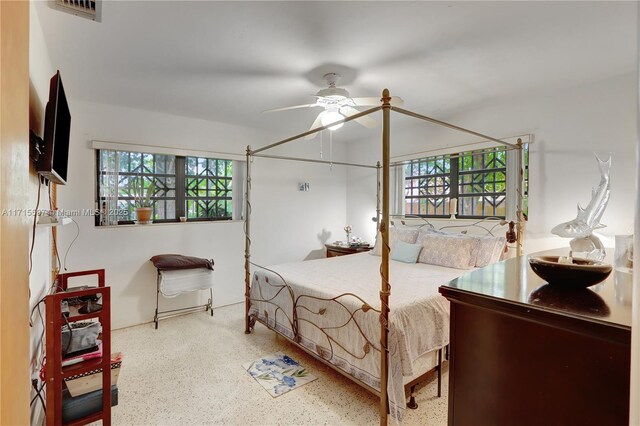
(524, 352)
(335, 250)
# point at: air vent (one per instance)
(90, 9)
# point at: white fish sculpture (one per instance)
(588, 219)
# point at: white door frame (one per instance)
(634, 406)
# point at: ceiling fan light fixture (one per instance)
(333, 92)
(329, 117)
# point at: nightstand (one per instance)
(333, 250)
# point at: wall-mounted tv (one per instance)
(52, 163)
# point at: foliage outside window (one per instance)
(195, 187)
(477, 179)
(208, 188)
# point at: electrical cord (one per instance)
(38, 394)
(66, 350)
(53, 235)
(36, 306)
(33, 230)
(64, 262)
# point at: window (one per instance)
(477, 179)
(482, 183)
(208, 188)
(195, 187)
(428, 186)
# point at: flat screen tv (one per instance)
(53, 162)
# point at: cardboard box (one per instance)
(92, 380)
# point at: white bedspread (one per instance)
(175, 282)
(419, 316)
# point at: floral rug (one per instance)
(278, 373)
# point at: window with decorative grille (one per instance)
(476, 179)
(194, 187)
(208, 188)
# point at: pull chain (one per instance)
(331, 150)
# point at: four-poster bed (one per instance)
(325, 320)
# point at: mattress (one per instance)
(175, 282)
(346, 330)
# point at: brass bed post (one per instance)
(384, 268)
(377, 197)
(520, 199)
(247, 243)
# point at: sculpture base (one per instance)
(588, 248)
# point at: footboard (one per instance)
(272, 303)
(342, 331)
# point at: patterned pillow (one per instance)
(489, 250)
(408, 235)
(453, 251)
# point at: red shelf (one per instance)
(55, 373)
(83, 317)
(87, 419)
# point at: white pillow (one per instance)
(453, 251)
(489, 250)
(407, 235)
(405, 252)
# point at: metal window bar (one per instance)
(433, 177)
(475, 180)
(162, 203)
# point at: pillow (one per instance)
(408, 235)
(489, 250)
(452, 251)
(405, 252)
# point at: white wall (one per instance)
(286, 223)
(568, 126)
(40, 71)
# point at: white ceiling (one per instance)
(228, 61)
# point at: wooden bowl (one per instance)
(581, 273)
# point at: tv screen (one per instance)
(57, 125)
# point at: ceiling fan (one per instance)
(338, 104)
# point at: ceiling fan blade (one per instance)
(291, 107)
(397, 101)
(366, 121)
(316, 123)
(372, 101)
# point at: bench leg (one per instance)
(155, 318)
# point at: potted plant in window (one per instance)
(142, 200)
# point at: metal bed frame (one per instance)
(383, 220)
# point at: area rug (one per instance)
(278, 373)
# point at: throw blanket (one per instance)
(168, 262)
(419, 317)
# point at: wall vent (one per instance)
(90, 9)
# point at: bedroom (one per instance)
(195, 78)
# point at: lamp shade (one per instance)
(329, 117)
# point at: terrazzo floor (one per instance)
(189, 372)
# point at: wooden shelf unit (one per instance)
(55, 373)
